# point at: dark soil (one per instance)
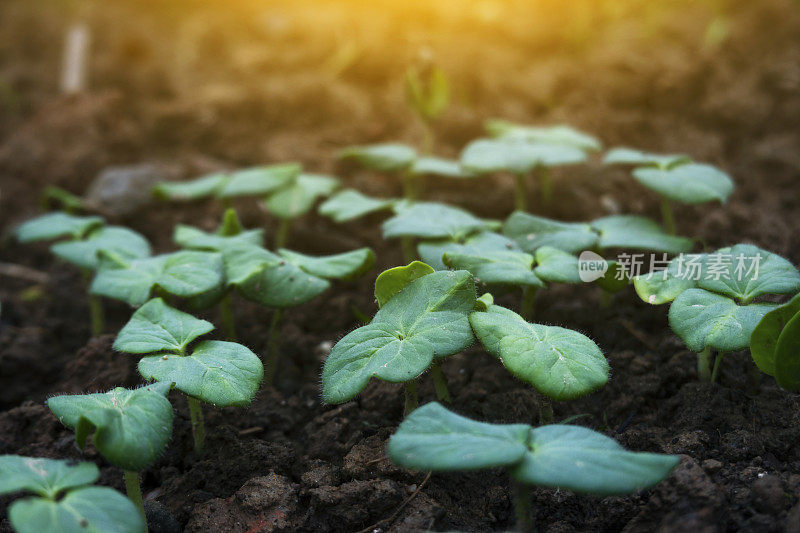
(191, 87)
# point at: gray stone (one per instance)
(121, 191)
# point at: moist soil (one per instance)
(649, 77)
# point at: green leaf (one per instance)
(637, 233)
(561, 134)
(85, 510)
(560, 363)
(662, 286)
(183, 274)
(484, 302)
(433, 438)
(787, 356)
(55, 226)
(531, 232)
(197, 189)
(298, 199)
(45, 477)
(223, 374)
(196, 239)
(436, 166)
(350, 204)
(556, 266)
(389, 157)
(131, 427)
(347, 265)
(124, 243)
(701, 318)
(496, 268)
(430, 220)
(688, 184)
(582, 460)
(516, 156)
(431, 252)
(259, 181)
(426, 320)
(764, 339)
(392, 281)
(628, 156)
(157, 327)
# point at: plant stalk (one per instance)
(717, 362)
(520, 192)
(545, 410)
(545, 185)
(526, 307)
(428, 137)
(667, 216)
(282, 234)
(409, 185)
(440, 382)
(704, 364)
(273, 348)
(97, 319)
(411, 397)
(227, 318)
(409, 253)
(134, 490)
(521, 495)
(198, 426)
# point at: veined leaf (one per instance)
(55, 226)
(45, 477)
(496, 268)
(531, 232)
(125, 243)
(157, 327)
(429, 220)
(431, 252)
(637, 233)
(787, 356)
(347, 265)
(764, 339)
(392, 281)
(350, 204)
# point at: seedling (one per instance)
(675, 178)
(557, 456)
(428, 94)
(560, 134)
(222, 374)
(482, 242)
(296, 200)
(775, 344)
(713, 298)
(131, 427)
(64, 498)
(349, 204)
(82, 241)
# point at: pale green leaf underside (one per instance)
(196, 189)
(629, 156)
(219, 373)
(516, 156)
(55, 226)
(46, 477)
(390, 282)
(559, 134)
(764, 339)
(197, 239)
(436, 166)
(298, 198)
(350, 204)
(347, 265)
(429, 220)
(118, 241)
(157, 327)
(259, 181)
(496, 268)
(432, 251)
(389, 157)
(688, 184)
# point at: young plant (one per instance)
(131, 427)
(349, 204)
(560, 134)
(296, 200)
(64, 498)
(557, 456)
(219, 373)
(83, 239)
(676, 178)
(428, 94)
(713, 298)
(775, 344)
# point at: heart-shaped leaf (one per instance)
(560, 363)
(55, 226)
(531, 232)
(259, 181)
(496, 268)
(350, 204)
(628, 156)
(436, 166)
(764, 339)
(701, 318)
(637, 233)
(429, 220)
(389, 157)
(197, 189)
(45, 477)
(86, 509)
(196, 239)
(427, 319)
(787, 356)
(157, 327)
(183, 274)
(122, 242)
(556, 266)
(516, 156)
(662, 286)
(298, 198)
(431, 252)
(131, 427)
(689, 184)
(560, 134)
(347, 265)
(223, 374)
(392, 281)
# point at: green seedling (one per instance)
(219, 373)
(428, 94)
(55, 198)
(82, 242)
(296, 200)
(131, 427)
(64, 498)
(713, 298)
(559, 135)
(349, 204)
(520, 158)
(676, 178)
(556, 456)
(775, 344)
(483, 242)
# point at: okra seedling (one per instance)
(219, 373)
(82, 239)
(64, 498)
(557, 456)
(131, 427)
(428, 94)
(775, 344)
(675, 178)
(713, 297)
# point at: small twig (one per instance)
(13, 270)
(374, 526)
(641, 337)
(250, 431)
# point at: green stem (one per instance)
(605, 299)
(667, 216)
(198, 426)
(273, 348)
(526, 307)
(409, 253)
(521, 495)
(227, 318)
(428, 138)
(409, 185)
(520, 192)
(97, 316)
(440, 382)
(134, 490)
(545, 185)
(411, 397)
(545, 410)
(717, 362)
(704, 364)
(282, 234)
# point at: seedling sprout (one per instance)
(775, 344)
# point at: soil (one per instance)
(191, 87)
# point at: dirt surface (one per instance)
(191, 88)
